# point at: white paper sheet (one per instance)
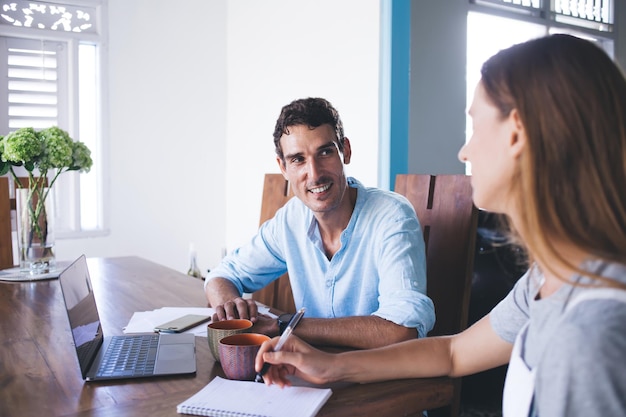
(146, 321)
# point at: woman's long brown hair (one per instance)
(571, 181)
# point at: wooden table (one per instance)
(39, 374)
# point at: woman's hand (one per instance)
(295, 358)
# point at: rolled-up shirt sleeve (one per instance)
(402, 284)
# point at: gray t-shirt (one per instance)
(580, 353)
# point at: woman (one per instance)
(549, 150)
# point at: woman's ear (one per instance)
(518, 134)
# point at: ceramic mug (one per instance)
(220, 329)
(237, 354)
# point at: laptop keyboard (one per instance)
(130, 356)
(87, 351)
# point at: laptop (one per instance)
(118, 357)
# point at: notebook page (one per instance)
(225, 397)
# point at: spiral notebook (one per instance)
(229, 398)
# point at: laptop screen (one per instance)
(81, 312)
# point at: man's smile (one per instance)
(319, 189)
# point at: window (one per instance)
(591, 14)
(493, 25)
(51, 57)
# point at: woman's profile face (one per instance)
(490, 152)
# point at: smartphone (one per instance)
(182, 323)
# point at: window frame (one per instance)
(544, 15)
(67, 188)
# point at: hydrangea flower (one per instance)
(81, 157)
(48, 149)
(22, 147)
(57, 149)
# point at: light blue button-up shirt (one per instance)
(380, 268)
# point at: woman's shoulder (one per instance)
(594, 306)
(513, 311)
(582, 361)
(596, 316)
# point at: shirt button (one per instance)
(329, 283)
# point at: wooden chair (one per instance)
(6, 237)
(448, 217)
(444, 207)
(276, 192)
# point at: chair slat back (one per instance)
(6, 237)
(444, 207)
(276, 192)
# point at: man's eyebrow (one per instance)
(292, 155)
(330, 144)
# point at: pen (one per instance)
(283, 338)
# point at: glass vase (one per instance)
(35, 230)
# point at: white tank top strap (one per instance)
(519, 384)
(598, 294)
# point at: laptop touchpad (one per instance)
(177, 358)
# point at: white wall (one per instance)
(195, 89)
(167, 130)
(281, 50)
(437, 102)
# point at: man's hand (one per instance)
(237, 308)
(241, 308)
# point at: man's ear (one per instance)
(347, 151)
(518, 134)
(281, 165)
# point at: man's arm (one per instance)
(355, 332)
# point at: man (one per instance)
(355, 255)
